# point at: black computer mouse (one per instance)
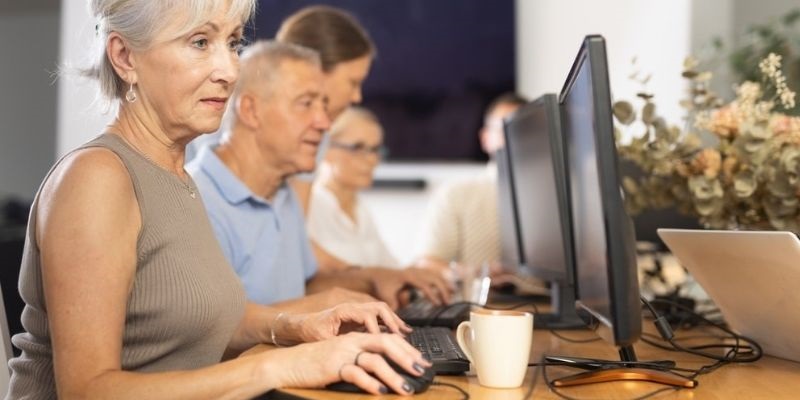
(418, 383)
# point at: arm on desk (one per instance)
(385, 283)
(267, 324)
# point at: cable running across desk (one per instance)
(743, 350)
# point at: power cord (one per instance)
(738, 352)
(742, 350)
(464, 394)
(558, 393)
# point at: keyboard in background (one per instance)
(422, 312)
(438, 345)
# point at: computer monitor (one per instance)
(603, 237)
(604, 243)
(537, 180)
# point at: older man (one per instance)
(276, 120)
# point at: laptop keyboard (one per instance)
(422, 312)
(438, 345)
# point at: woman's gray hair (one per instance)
(140, 21)
(259, 70)
(350, 114)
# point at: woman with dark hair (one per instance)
(344, 46)
(346, 51)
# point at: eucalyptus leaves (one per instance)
(747, 175)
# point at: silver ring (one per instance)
(359, 355)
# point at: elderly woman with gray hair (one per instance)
(127, 292)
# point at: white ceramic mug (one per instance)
(498, 344)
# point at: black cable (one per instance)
(566, 339)
(532, 386)
(464, 394)
(565, 397)
(742, 350)
(608, 364)
(753, 350)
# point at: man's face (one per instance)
(293, 117)
(492, 138)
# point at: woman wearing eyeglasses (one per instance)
(340, 226)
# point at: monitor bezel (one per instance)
(624, 325)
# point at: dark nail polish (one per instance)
(408, 388)
(419, 368)
(383, 389)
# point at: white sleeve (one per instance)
(442, 226)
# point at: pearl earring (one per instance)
(130, 95)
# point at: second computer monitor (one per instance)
(538, 182)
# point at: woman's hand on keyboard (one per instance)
(350, 317)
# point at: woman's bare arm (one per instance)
(87, 226)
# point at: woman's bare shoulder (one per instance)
(91, 183)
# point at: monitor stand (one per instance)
(599, 373)
(564, 314)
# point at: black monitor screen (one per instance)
(605, 258)
(532, 162)
(541, 228)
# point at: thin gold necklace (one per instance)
(185, 184)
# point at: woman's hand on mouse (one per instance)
(353, 358)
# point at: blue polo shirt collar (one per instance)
(229, 185)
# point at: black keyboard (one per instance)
(438, 345)
(422, 312)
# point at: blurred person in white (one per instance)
(461, 224)
(127, 292)
(341, 228)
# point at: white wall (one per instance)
(713, 19)
(79, 118)
(399, 214)
(28, 44)
(549, 34)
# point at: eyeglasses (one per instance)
(360, 148)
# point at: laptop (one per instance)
(753, 276)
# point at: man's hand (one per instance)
(388, 284)
(348, 317)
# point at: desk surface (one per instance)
(769, 378)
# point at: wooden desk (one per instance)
(769, 378)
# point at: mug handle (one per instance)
(465, 328)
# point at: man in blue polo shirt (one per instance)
(275, 122)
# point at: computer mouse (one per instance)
(418, 383)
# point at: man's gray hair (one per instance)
(259, 71)
(141, 21)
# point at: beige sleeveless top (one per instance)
(185, 303)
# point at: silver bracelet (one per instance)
(272, 335)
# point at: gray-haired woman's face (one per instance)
(354, 153)
(185, 82)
